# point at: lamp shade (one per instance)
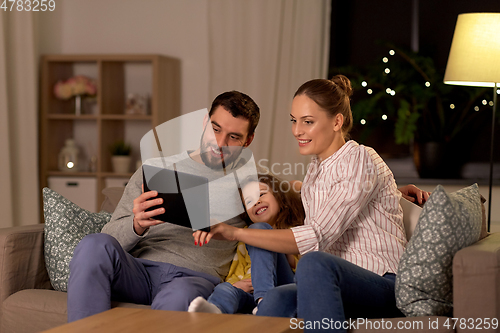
(475, 51)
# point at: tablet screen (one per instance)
(185, 196)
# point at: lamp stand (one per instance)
(492, 150)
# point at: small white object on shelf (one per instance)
(137, 104)
(93, 164)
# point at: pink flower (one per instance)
(90, 88)
(62, 90)
(76, 85)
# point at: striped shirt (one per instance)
(352, 210)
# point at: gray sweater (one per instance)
(173, 244)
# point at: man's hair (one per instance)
(239, 105)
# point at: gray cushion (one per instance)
(448, 223)
(65, 225)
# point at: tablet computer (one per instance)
(185, 197)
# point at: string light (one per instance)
(476, 108)
(385, 59)
(391, 52)
(363, 121)
(427, 84)
(452, 106)
(490, 103)
(384, 117)
(369, 91)
(393, 92)
(364, 84)
(387, 71)
(485, 102)
(498, 91)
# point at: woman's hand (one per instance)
(276, 240)
(412, 193)
(245, 285)
(142, 219)
(219, 231)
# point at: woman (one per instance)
(353, 234)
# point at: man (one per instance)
(142, 260)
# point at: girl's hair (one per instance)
(291, 212)
(332, 96)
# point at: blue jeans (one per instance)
(330, 287)
(101, 272)
(269, 269)
(230, 299)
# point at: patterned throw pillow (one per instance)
(65, 225)
(448, 223)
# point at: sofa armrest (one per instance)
(476, 280)
(22, 263)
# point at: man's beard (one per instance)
(229, 155)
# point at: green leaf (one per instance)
(406, 124)
(120, 148)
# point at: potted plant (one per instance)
(405, 88)
(120, 158)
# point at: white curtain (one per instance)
(267, 49)
(19, 187)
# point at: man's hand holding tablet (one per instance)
(144, 219)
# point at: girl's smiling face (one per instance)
(266, 207)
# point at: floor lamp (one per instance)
(475, 61)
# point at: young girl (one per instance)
(353, 234)
(279, 207)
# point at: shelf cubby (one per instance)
(94, 130)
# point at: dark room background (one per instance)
(357, 26)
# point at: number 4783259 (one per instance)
(28, 5)
(471, 323)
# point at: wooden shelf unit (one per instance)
(109, 122)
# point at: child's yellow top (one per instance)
(240, 267)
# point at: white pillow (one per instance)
(411, 212)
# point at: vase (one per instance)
(121, 164)
(78, 105)
(438, 160)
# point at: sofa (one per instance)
(30, 304)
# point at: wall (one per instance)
(177, 28)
